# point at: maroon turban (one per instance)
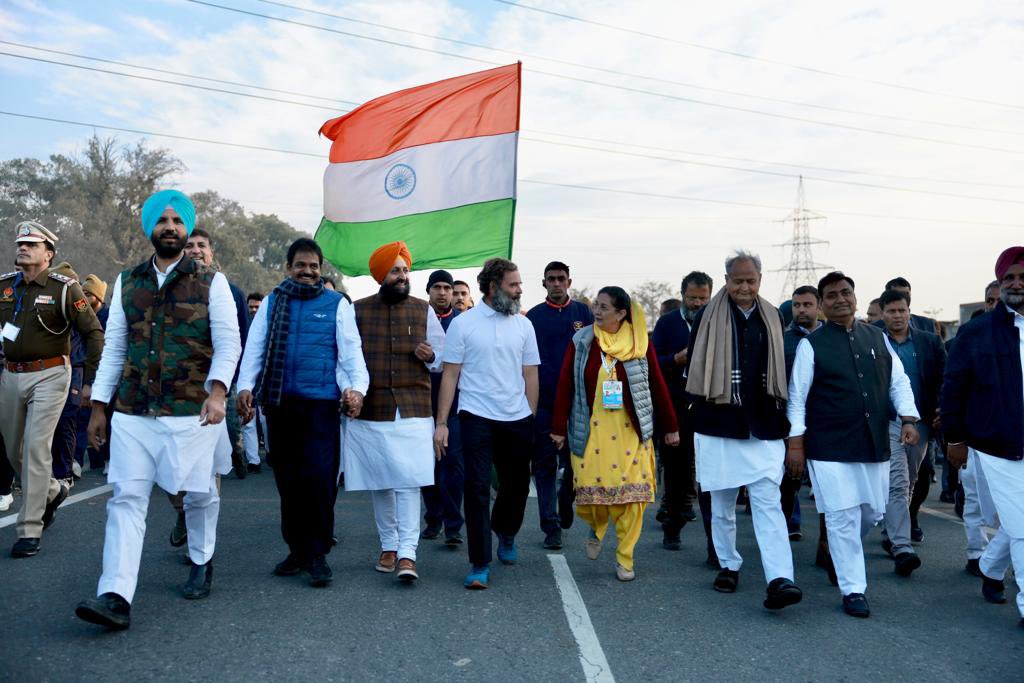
(1011, 256)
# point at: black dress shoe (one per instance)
(25, 547)
(290, 566)
(887, 547)
(199, 581)
(662, 513)
(553, 540)
(51, 507)
(974, 568)
(993, 590)
(947, 497)
(254, 468)
(670, 540)
(179, 534)
(906, 563)
(781, 593)
(689, 515)
(452, 538)
(856, 605)
(109, 609)
(432, 531)
(916, 534)
(320, 574)
(726, 581)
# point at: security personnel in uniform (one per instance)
(38, 309)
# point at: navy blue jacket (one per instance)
(554, 327)
(790, 340)
(435, 377)
(311, 355)
(982, 400)
(671, 335)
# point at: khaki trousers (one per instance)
(30, 407)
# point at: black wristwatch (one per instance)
(908, 421)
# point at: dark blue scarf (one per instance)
(271, 384)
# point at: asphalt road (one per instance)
(667, 625)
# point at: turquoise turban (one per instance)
(157, 203)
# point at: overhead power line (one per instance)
(623, 88)
(637, 193)
(617, 72)
(766, 60)
(537, 140)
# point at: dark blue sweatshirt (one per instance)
(555, 326)
(435, 377)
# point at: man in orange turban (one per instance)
(389, 450)
(383, 259)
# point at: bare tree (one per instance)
(649, 295)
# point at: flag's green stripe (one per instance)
(452, 238)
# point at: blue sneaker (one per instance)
(507, 552)
(477, 578)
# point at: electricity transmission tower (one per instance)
(802, 269)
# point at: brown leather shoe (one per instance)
(387, 561)
(407, 570)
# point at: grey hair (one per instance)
(741, 255)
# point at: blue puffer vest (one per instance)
(312, 355)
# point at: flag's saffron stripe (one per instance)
(482, 103)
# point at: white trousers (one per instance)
(397, 513)
(126, 529)
(251, 441)
(977, 507)
(846, 529)
(769, 528)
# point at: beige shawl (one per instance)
(710, 371)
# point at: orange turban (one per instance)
(383, 260)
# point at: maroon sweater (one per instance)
(665, 421)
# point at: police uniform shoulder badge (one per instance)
(81, 305)
(8, 276)
(577, 325)
(64, 279)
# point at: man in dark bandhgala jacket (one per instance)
(844, 375)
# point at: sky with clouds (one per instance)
(930, 172)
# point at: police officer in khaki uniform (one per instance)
(38, 309)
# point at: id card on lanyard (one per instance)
(611, 389)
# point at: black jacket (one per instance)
(671, 335)
(982, 400)
(931, 362)
(761, 416)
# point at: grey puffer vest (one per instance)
(637, 379)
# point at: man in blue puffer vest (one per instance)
(302, 359)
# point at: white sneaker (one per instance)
(106, 467)
(6, 502)
(76, 469)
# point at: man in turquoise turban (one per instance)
(176, 343)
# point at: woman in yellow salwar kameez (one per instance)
(611, 401)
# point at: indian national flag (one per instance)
(433, 165)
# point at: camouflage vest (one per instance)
(169, 343)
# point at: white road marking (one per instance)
(9, 520)
(941, 515)
(595, 665)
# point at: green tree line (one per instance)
(93, 201)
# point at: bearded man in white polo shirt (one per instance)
(491, 355)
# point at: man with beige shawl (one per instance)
(737, 379)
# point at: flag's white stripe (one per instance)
(447, 174)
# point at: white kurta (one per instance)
(730, 463)
(843, 485)
(178, 453)
(398, 454)
(1006, 484)
(389, 455)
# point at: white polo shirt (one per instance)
(492, 349)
